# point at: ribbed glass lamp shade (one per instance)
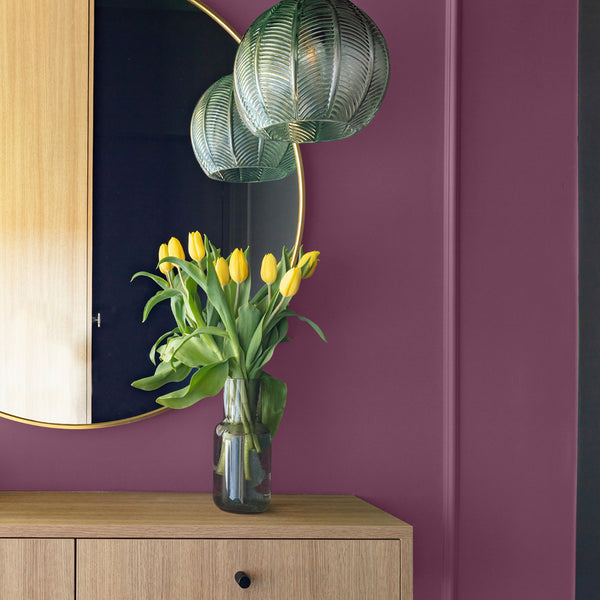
(311, 71)
(226, 149)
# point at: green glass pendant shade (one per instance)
(311, 71)
(226, 149)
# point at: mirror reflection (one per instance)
(153, 59)
(152, 63)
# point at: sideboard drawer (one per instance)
(204, 569)
(39, 569)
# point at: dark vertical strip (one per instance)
(450, 354)
(75, 568)
(151, 66)
(588, 462)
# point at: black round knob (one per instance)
(242, 579)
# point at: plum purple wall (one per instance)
(518, 299)
(366, 412)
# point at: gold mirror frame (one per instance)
(299, 230)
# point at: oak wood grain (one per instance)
(282, 569)
(316, 541)
(44, 95)
(406, 568)
(37, 569)
(168, 515)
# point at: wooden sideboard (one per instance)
(146, 546)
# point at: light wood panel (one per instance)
(190, 569)
(302, 547)
(154, 515)
(406, 568)
(37, 569)
(44, 96)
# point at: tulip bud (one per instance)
(222, 271)
(196, 246)
(163, 252)
(238, 266)
(268, 269)
(290, 282)
(308, 263)
(176, 249)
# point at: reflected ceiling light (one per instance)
(311, 71)
(226, 149)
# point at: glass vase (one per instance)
(242, 451)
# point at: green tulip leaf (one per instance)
(273, 395)
(178, 310)
(235, 371)
(165, 373)
(247, 321)
(210, 331)
(159, 280)
(229, 291)
(255, 343)
(282, 315)
(167, 350)
(205, 382)
(277, 336)
(158, 341)
(262, 360)
(284, 265)
(212, 316)
(210, 247)
(193, 352)
(189, 268)
(314, 326)
(193, 301)
(262, 339)
(196, 350)
(278, 333)
(259, 299)
(217, 298)
(277, 318)
(158, 297)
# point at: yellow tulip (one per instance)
(268, 269)
(308, 263)
(290, 282)
(238, 266)
(176, 249)
(222, 271)
(163, 252)
(196, 246)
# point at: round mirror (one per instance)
(153, 59)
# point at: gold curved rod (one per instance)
(301, 203)
(220, 20)
(299, 230)
(101, 425)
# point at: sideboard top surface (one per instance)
(169, 515)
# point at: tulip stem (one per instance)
(169, 279)
(268, 294)
(185, 291)
(275, 311)
(237, 297)
(247, 419)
